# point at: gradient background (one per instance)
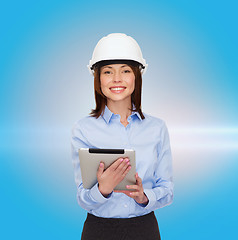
(191, 83)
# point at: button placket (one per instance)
(126, 140)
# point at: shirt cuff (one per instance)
(97, 196)
(151, 197)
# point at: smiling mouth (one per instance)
(117, 88)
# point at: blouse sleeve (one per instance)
(161, 193)
(88, 199)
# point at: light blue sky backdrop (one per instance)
(191, 83)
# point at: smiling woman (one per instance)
(117, 78)
(117, 85)
(117, 122)
(116, 82)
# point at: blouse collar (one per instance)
(107, 114)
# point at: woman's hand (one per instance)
(138, 193)
(113, 175)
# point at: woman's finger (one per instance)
(135, 194)
(135, 187)
(123, 166)
(116, 164)
(100, 169)
(138, 180)
(128, 168)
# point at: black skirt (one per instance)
(143, 227)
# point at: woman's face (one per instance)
(117, 82)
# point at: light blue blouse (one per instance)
(150, 140)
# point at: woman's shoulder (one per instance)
(154, 120)
(85, 121)
(155, 124)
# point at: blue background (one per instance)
(191, 83)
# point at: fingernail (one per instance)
(126, 160)
(101, 164)
(121, 159)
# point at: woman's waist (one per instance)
(120, 206)
(115, 220)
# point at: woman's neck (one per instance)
(121, 108)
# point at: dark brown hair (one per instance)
(101, 99)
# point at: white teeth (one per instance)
(117, 89)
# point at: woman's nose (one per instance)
(117, 77)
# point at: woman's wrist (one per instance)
(105, 193)
(145, 200)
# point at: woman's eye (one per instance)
(127, 71)
(107, 72)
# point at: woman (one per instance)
(118, 122)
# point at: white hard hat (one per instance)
(117, 46)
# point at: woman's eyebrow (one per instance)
(111, 67)
(106, 67)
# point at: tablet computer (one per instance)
(90, 159)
